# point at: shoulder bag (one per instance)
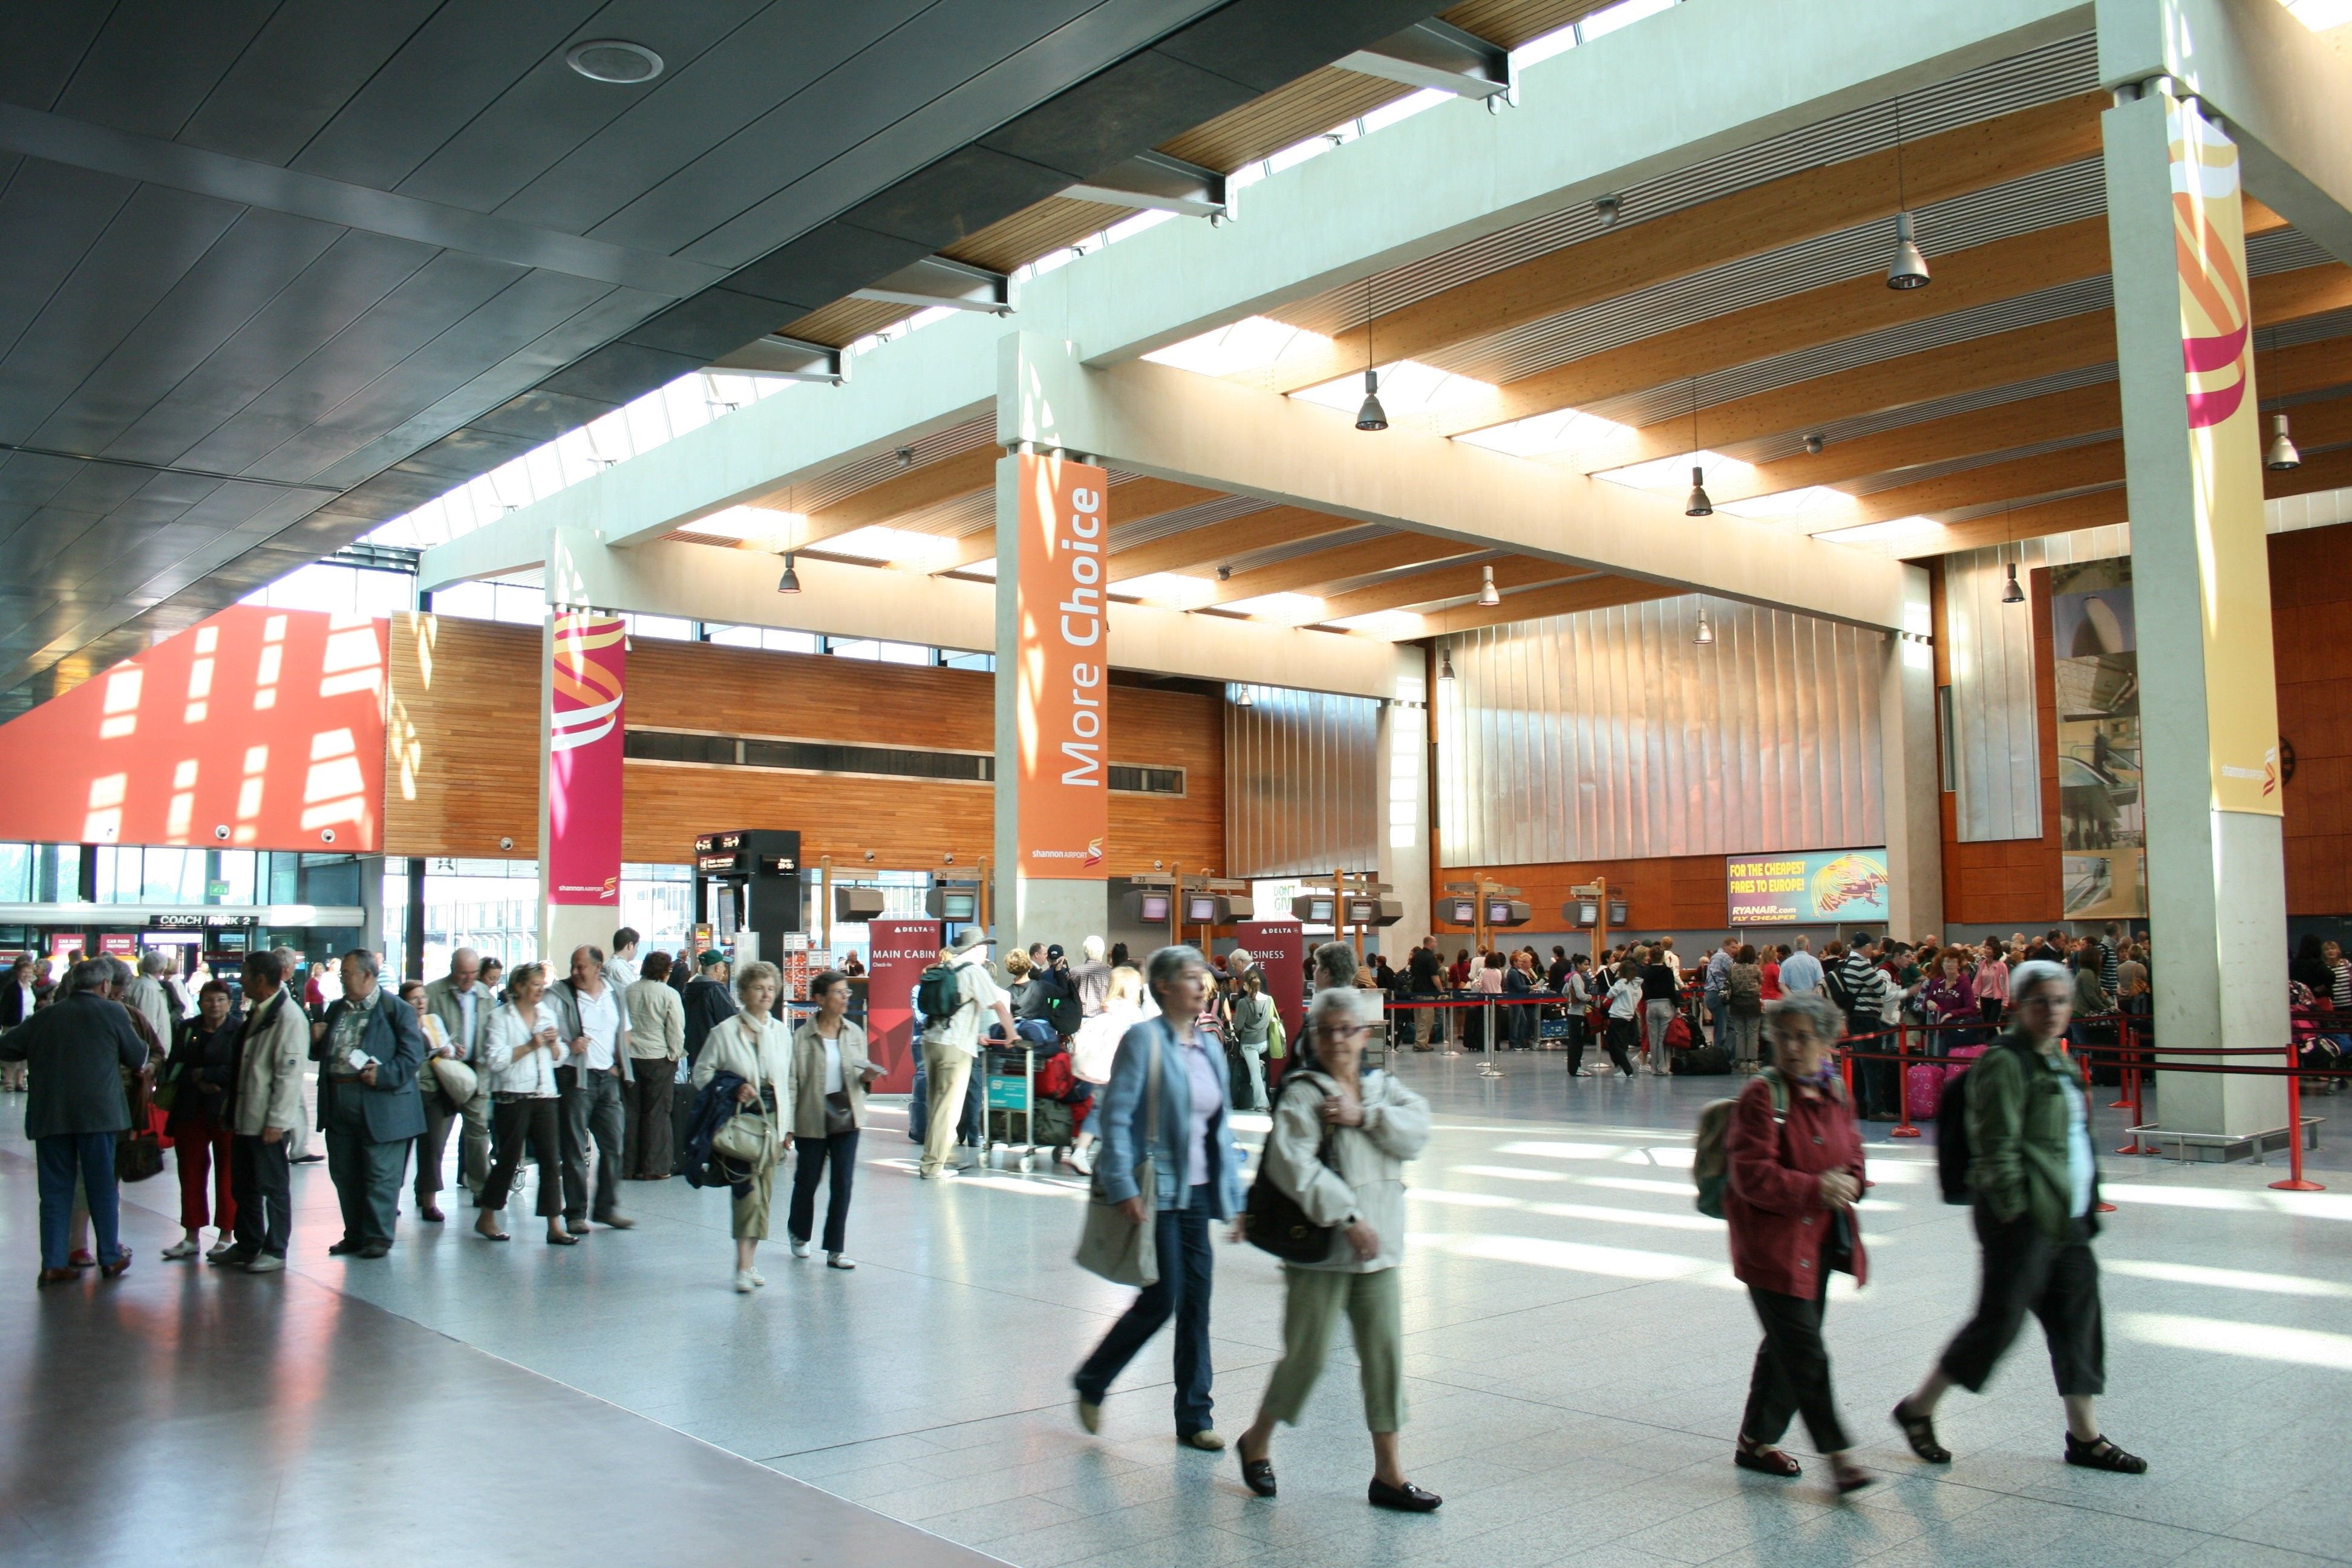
(1111, 1245)
(457, 1080)
(1275, 1222)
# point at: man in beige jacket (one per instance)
(267, 1110)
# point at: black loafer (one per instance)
(1406, 1498)
(343, 1248)
(1258, 1475)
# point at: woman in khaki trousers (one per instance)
(754, 1047)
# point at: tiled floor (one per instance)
(1577, 1356)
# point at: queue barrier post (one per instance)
(1903, 1126)
(2131, 1100)
(2295, 1182)
(1845, 1071)
(1486, 1068)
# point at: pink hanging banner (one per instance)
(583, 759)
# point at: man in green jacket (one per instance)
(2035, 1180)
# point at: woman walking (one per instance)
(2035, 1180)
(755, 1047)
(1169, 1064)
(202, 1074)
(520, 1051)
(1338, 1149)
(830, 1075)
(1251, 1017)
(1794, 1168)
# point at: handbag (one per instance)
(166, 1095)
(1110, 1245)
(838, 1118)
(1276, 1042)
(138, 1155)
(458, 1080)
(746, 1139)
(1275, 1222)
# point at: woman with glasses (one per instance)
(2034, 1176)
(1338, 1148)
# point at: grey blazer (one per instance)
(78, 1049)
(565, 999)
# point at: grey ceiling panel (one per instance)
(156, 60)
(449, 70)
(292, 266)
(302, 68)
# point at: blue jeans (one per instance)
(60, 1158)
(1186, 1270)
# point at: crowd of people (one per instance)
(648, 1070)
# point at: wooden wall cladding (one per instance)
(2311, 628)
(1671, 893)
(2012, 884)
(463, 765)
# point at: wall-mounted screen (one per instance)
(1200, 908)
(1319, 912)
(1840, 887)
(1151, 908)
(962, 908)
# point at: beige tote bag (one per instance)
(1111, 1245)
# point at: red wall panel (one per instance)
(269, 723)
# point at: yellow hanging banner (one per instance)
(2225, 465)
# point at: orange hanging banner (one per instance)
(1061, 674)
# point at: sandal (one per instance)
(492, 1235)
(2098, 1454)
(1765, 1461)
(1919, 1431)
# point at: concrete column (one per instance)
(1910, 785)
(1029, 908)
(2216, 884)
(1402, 792)
(371, 926)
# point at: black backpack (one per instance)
(938, 995)
(1953, 1154)
(1062, 1008)
(1841, 991)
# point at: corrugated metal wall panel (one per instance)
(1301, 784)
(1610, 734)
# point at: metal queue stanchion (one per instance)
(1486, 1068)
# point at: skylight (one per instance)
(1254, 342)
(1888, 536)
(1815, 506)
(1410, 393)
(1171, 590)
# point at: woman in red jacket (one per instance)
(1794, 1163)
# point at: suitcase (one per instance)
(1923, 1092)
(1703, 1060)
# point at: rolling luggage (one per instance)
(1703, 1061)
(1923, 1090)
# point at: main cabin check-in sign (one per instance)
(1062, 673)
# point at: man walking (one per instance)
(462, 1006)
(594, 1081)
(369, 1053)
(951, 1041)
(266, 1109)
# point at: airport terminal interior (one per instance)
(621, 614)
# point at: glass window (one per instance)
(951, 659)
(883, 652)
(668, 626)
(17, 873)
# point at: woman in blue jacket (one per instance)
(1197, 1173)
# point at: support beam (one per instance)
(2072, 468)
(1909, 783)
(1787, 211)
(935, 282)
(781, 358)
(1160, 183)
(1215, 542)
(1594, 592)
(2077, 411)
(964, 474)
(707, 583)
(1304, 574)
(1985, 274)
(2282, 89)
(1410, 588)
(1999, 359)
(1439, 55)
(1151, 418)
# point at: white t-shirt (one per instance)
(832, 1064)
(600, 1021)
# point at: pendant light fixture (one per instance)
(1909, 269)
(1487, 594)
(2280, 455)
(1705, 636)
(1243, 698)
(1445, 666)
(790, 581)
(1697, 505)
(1371, 415)
(2011, 592)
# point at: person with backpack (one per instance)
(1792, 1164)
(1743, 1006)
(2034, 1181)
(952, 997)
(1335, 1153)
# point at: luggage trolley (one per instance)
(1012, 1093)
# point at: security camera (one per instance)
(950, 859)
(222, 831)
(506, 843)
(870, 857)
(326, 835)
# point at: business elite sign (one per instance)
(1061, 677)
(1834, 887)
(582, 787)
